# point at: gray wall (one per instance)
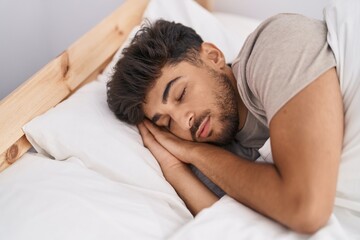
(32, 32)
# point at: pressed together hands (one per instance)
(169, 150)
(173, 155)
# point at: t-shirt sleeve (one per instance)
(288, 52)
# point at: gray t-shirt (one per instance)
(279, 59)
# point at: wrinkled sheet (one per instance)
(228, 219)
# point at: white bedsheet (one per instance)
(228, 219)
(43, 199)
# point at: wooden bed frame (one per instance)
(76, 66)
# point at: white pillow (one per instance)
(238, 27)
(83, 126)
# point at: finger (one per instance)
(146, 129)
(142, 129)
(155, 130)
(146, 135)
(148, 124)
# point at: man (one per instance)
(202, 112)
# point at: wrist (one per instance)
(173, 171)
(187, 153)
(193, 152)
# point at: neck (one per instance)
(242, 110)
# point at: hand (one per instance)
(179, 148)
(194, 193)
(166, 160)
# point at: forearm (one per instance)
(257, 185)
(193, 192)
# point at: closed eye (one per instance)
(179, 100)
(182, 95)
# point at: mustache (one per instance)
(197, 123)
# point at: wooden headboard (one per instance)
(61, 77)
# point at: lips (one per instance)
(204, 128)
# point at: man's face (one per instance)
(195, 103)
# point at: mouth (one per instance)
(204, 128)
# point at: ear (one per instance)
(212, 55)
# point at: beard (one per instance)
(225, 102)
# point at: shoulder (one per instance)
(284, 22)
(284, 28)
(278, 31)
(287, 52)
(293, 30)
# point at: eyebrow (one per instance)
(165, 96)
(167, 89)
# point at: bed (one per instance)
(71, 170)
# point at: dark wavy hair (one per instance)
(153, 47)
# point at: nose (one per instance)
(185, 119)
